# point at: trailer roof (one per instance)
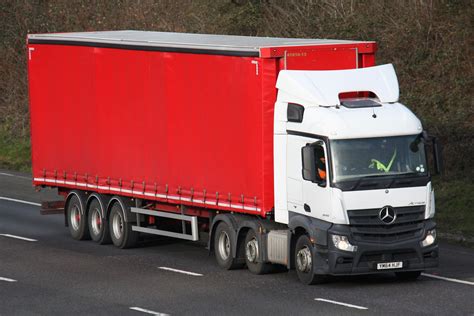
(179, 42)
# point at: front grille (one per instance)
(366, 225)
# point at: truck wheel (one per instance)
(408, 275)
(76, 219)
(98, 226)
(223, 246)
(121, 232)
(304, 262)
(252, 253)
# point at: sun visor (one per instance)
(323, 87)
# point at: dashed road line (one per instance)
(18, 237)
(13, 175)
(147, 311)
(340, 303)
(19, 201)
(447, 279)
(7, 279)
(180, 271)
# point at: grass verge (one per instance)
(454, 214)
(15, 153)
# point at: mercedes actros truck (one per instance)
(282, 152)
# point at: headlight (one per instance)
(342, 243)
(430, 238)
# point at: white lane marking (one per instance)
(19, 201)
(18, 237)
(340, 303)
(13, 175)
(447, 279)
(7, 280)
(180, 271)
(139, 309)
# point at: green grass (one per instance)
(15, 153)
(454, 208)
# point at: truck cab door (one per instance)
(308, 178)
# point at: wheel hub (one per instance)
(75, 217)
(96, 221)
(251, 250)
(303, 259)
(224, 245)
(117, 226)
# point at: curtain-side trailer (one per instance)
(290, 152)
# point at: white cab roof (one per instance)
(390, 119)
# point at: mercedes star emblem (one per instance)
(387, 215)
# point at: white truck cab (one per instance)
(353, 173)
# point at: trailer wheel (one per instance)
(77, 219)
(223, 247)
(304, 262)
(121, 232)
(98, 226)
(252, 253)
(408, 275)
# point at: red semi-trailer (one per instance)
(136, 127)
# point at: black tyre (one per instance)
(408, 275)
(121, 232)
(252, 254)
(77, 219)
(304, 259)
(98, 225)
(224, 245)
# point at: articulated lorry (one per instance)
(284, 152)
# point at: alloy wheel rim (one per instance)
(75, 217)
(303, 259)
(251, 250)
(117, 225)
(224, 245)
(96, 221)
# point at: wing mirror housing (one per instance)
(436, 151)
(437, 156)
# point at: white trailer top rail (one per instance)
(230, 44)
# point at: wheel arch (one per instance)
(229, 220)
(315, 229)
(103, 201)
(125, 204)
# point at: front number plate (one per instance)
(389, 265)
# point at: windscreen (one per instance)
(383, 156)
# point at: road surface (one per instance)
(44, 271)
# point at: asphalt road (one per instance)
(49, 273)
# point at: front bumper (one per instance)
(332, 261)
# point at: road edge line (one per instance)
(447, 279)
(147, 311)
(18, 237)
(340, 303)
(19, 201)
(181, 271)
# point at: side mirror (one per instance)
(311, 154)
(309, 163)
(437, 156)
(433, 142)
